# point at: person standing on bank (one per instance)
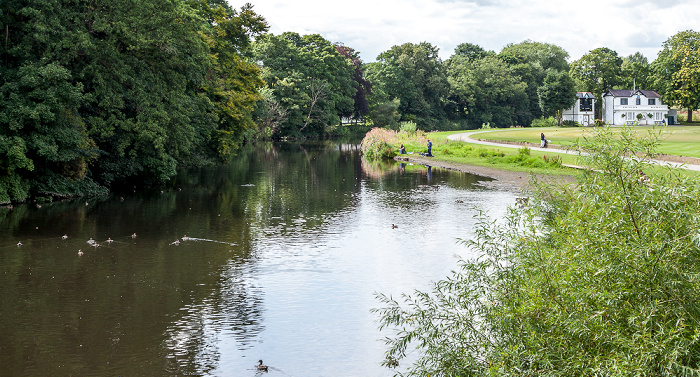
(543, 141)
(430, 148)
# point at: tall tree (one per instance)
(597, 71)
(556, 94)
(117, 91)
(413, 74)
(362, 86)
(636, 72)
(677, 71)
(531, 61)
(486, 91)
(293, 67)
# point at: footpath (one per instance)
(467, 138)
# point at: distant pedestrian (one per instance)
(430, 148)
(402, 149)
(543, 141)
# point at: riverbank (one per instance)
(502, 179)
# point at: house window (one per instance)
(639, 101)
(623, 101)
(657, 116)
(630, 116)
(652, 101)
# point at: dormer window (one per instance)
(639, 101)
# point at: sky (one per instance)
(374, 26)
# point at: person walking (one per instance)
(430, 148)
(543, 141)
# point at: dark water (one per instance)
(289, 245)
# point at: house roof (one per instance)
(631, 93)
(584, 95)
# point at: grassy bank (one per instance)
(675, 140)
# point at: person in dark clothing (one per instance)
(430, 148)
(402, 149)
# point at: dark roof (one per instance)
(584, 95)
(632, 93)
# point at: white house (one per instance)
(628, 106)
(583, 110)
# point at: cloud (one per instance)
(374, 26)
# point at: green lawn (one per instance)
(677, 140)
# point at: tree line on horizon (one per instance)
(110, 94)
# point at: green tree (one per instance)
(233, 82)
(597, 71)
(597, 278)
(677, 71)
(636, 72)
(296, 67)
(120, 91)
(531, 61)
(413, 74)
(485, 91)
(556, 94)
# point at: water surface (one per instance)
(288, 246)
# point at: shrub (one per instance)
(594, 279)
(570, 123)
(544, 122)
(409, 127)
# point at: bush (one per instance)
(596, 279)
(409, 127)
(570, 123)
(544, 122)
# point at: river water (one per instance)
(287, 247)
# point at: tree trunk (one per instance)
(690, 115)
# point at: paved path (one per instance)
(466, 137)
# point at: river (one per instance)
(285, 250)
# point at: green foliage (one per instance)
(570, 123)
(409, 127)
(485, 91)
(636, 72)
(677, 71)
(311, 80)
(121, 90)
(381, 143)
(545, 122)
(556, 94)
(413, 74)
(593, 279)
(531, 61)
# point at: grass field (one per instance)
(676, 140)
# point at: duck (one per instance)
(394, 226)
(109, 240)
(262, 366)
(64, 237)
(133, 235)
(185, 238)
(176, 242)
(19, 244)
(91, 241)
(80, 253)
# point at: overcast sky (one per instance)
(374, 26)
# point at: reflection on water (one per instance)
(276, 256)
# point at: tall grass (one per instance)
(381, 143)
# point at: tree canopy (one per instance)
(115, 92)
(677, 71)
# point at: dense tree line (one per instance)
(116, 93)
(106, 93)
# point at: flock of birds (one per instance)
(109, 240)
